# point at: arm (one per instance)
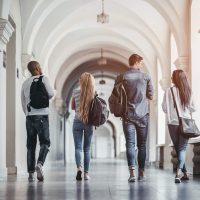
(164, 105)
(192, 106)
(149, 92)
(23, 101)
(48, 87)
(73, 103)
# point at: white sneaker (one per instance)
(86, 176)
(39, 171)
(131, 179)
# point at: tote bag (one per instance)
(188, 127)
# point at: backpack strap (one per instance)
(40, 78)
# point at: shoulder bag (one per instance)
(188, 127)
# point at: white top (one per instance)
(25, 96)
(169, 109)
(76, 95)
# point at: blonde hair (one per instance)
(87, 90)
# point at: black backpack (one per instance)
(118, 100)
(98, 113)
(39, 97)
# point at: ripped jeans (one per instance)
(37, 125)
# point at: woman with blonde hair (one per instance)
(82, 132)
(182, 94)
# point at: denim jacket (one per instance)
(139, 89)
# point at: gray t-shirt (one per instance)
(25, 96)
(76, 95)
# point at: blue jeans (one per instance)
(37, 125)
(180, 145)
(82, 140)
(130, 130)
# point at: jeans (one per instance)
(37, 125)
(180, 145)
(131, 129)
(82, 140)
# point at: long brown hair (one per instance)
(180, 80)
(87, 90)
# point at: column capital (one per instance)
(182, 62)
(165, 83)
(6, 31)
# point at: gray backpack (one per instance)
(118, 99)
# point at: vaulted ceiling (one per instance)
(66, 38)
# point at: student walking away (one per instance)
(138, 89)
(35, 94)
(185, 105)
(82, 131)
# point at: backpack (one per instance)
(39, 97)
(118, 100)
(98, 113)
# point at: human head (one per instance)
(178, 77)
(134, 60)
(34, 68)
(180, 81)
(87, 90)
(86, 80)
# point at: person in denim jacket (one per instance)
(139, 89)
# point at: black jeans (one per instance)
(37, 125)
(180, 145)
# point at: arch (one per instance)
(166, 9)
(55, 5)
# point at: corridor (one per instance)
(68, 38)
(108, 182)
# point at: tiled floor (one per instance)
(108, 182)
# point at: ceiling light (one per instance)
(103, 17)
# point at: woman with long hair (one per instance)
(82, 132)
(184, 100)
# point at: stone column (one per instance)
(59, 104)
(6, 31)
(164, 151)
(26, 58)
(183, 62)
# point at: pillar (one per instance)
(6, 31)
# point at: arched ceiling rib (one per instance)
(55, 4)
(64, 34)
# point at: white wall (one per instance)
(2, 115)
(195, 42)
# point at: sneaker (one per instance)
(78, 176)
(185, 178)
(86, 176)
(39, 171)
(177, 179)
(141, 176)
(31, 177)
(131, 179)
